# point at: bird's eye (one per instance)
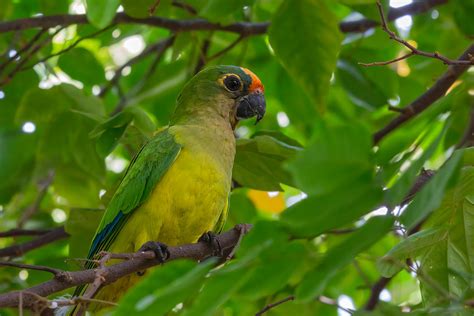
(232, 83)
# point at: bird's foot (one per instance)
(159, 249)
(211, 239)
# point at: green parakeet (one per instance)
(177, 187)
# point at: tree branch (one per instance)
(24, 232)
(158, 47)
(71, 46)
(24, 49)
(55, 272)
(377, 288)
(375, 291)
(416, 7)
(43, 186)
(243, 28)
(140, 262)
(413, 49)
(20, 249)
(436, 91)
(270, 306)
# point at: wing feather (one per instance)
(144, 172)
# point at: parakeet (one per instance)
(177, 187)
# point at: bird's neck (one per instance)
(212, 137)
(199, 109)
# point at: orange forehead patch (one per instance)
(256, 83)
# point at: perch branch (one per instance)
(141, 261)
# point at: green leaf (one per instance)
(401, 188)
(216, 10)
(338, 156)
(258, 163)
(411, 247)
(101, 12)
(72, 61)
(341, 255)
(337, 171)
(217, 290)
(447, 266)
(224, 282)
(363, 90)
(431, 195)
(267, 278)
(163, 288)
(138, 8)
(318, 214)
(309, 56)
(463, 15)
(15, 166)
(52, 7)
(41, 106)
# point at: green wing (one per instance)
(144, 172)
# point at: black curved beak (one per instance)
(251, 105)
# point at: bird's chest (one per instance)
(191, 196)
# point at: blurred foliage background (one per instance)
(332, 232)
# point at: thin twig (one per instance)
(468, 138)
(202, 58)
(434, 93)
(25, 48)
(382, 63)
(375, 291)
(329, 301)
(413, 49)
(422, 179)
(23, 232)
(152, 8)
(270, 306)
(74, 44)
(225, 50)
(185, 6)
(124, 98)
(416, 7)
(25, 58)
(20, 249)
(43, 186)
(341, 231)
(54, 271)
(153, 48)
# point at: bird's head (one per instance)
(231, 92)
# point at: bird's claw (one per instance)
(159, 249)
(211, 239)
